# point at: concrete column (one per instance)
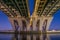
(38, 25)
(23, 25)
(20, 23)
(12, 23)
(49, 22)
(28, 26)
(18, 19)
(42, 21)
(34, 24)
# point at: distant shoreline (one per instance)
(32, 32)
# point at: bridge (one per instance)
(19, 15)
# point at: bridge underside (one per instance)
(46, 7)
(44, 10)
(19, 15)
(15, 8)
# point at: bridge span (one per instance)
(19, 15)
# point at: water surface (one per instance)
(30, 37)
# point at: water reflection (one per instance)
(37, 37)
(15, 37)
(29, 37)
(44, 36)
(24, 37)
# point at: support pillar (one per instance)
(34, 24)
(37, 25)
(28, 26)
(20, 23)
(45, 22)
(15, 22)
(49, 22)
(12, 23)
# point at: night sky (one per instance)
(5, 24)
